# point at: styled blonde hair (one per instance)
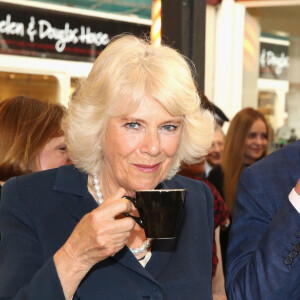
(127, 71)
(233, 154)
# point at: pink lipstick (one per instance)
(147, 168)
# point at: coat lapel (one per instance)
(127, 259)
(74, 183)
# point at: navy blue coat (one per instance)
(39, 211)
(263, 260)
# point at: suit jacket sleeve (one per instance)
(24, 273)
(262, 261)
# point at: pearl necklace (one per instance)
(99, 199)
(97, 189)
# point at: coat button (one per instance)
(156, 296)
(296, 247)
(293, 254)
(288, 261)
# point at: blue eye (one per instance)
(133, 125)
(61, 148)
(169, 127)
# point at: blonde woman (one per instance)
(130, 124)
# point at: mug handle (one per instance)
(138, 220)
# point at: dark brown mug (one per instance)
(159, 211)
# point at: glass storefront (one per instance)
(278, 77)
(43, 87)
(45, 49)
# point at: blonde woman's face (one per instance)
(140, 147)
(53, 155)
(256, 142)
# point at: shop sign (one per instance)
(274, 61)
(45, 33)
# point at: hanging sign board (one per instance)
(45, 33)
(274, 60)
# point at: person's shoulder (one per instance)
(284, 159)
(29, 180)
(290, 151)
(199, 200)
(42, 189)
(195, 189)
(41, 176)
(273, 176)
(39, 181)
(188, 183)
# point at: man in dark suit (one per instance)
(263, 260)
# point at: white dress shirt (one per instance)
(295, 199)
